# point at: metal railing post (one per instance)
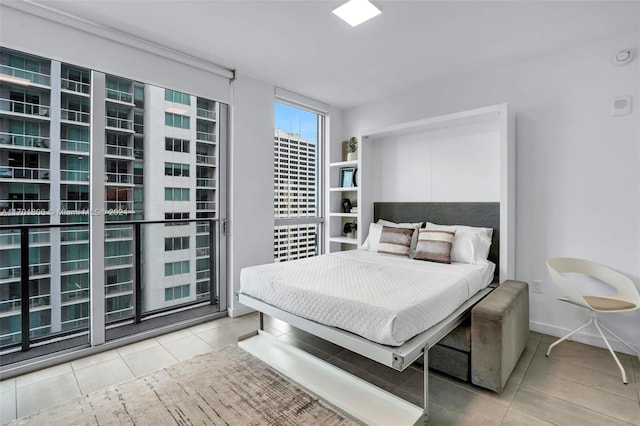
(24, 286)
(138, 271)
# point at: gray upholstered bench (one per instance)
(486, 348)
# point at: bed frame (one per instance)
(400, 357)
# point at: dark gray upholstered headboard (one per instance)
(472, 214)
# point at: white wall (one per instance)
(251, 181)
(578, 168)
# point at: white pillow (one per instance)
(373, 239)
(414, 238)
(470, 245)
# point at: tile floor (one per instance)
(577, 385)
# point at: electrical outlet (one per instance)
(537, 286)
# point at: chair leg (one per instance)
(624, 375)
(620, 340)
(562, 339)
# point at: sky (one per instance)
(295, 120)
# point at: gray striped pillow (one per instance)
(434, 245)
(395, 241)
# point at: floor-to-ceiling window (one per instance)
(297, 145)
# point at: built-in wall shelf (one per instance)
(352, 163)
(343, 240)
(343, 214)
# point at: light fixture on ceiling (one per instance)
(355, 12)
(622, 57)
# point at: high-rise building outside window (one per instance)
(297, 190)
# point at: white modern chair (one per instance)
(626, 299)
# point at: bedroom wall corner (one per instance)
(250, 183)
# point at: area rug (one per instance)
(224, 387)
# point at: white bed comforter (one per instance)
(382, 298)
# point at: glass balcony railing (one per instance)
(205, 205)
(24, 173)
(205, 113)
(73, 145)
(205, 136)
(75, 86)
(120, 178)
(121, 151)
(119, 205)
(32, 76)
(206, 183)
(76, 116)
(20, 205)
(21, 107)
(30, 141)
(74, 205)
(119, 95)
(119, 123)
(136, 286)
(205, 159)
(74, 175)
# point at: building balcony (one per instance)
(208, 160)
(24, 173)
(205, 136)
(11, 239)
(118, 233)
(74, 265)
(206, 114)
(14, 272)
(205, 205)
(205, 183)
(24, 141)
(74, 205)
(75, 116)
(121, 178)
(74, 146)
(119, 151)
(119, 205)
(118, 260)
(120, 124)
(73, 235)
(20, 107)
(74, 86)
(119, 288)
(74, 176)
(119, 96)
(21, 205)
(23, 76)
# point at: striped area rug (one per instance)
(224, 387)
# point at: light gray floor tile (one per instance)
(518, 418)
(98, 376)
(587, 397)
(47, 373)
(583, 375)
(243, 326)
(94, 359)
(274, 331)
(364, 375)
(187, 347)
(200, 328)
(7, 406)
(218, 337)
(176, 335)
(277, 324)
(587, 356)
(46, 393)
(8, 385)
(148, 360)
(139, 346)
(559, 412)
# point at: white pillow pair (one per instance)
(470, 244)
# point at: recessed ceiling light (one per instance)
(355, 12)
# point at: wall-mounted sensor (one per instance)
(621, 106)
(622, 57)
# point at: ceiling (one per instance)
(303, 47)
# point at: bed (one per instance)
(386, 308)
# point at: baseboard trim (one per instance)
(238, 311)
(582, 337)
